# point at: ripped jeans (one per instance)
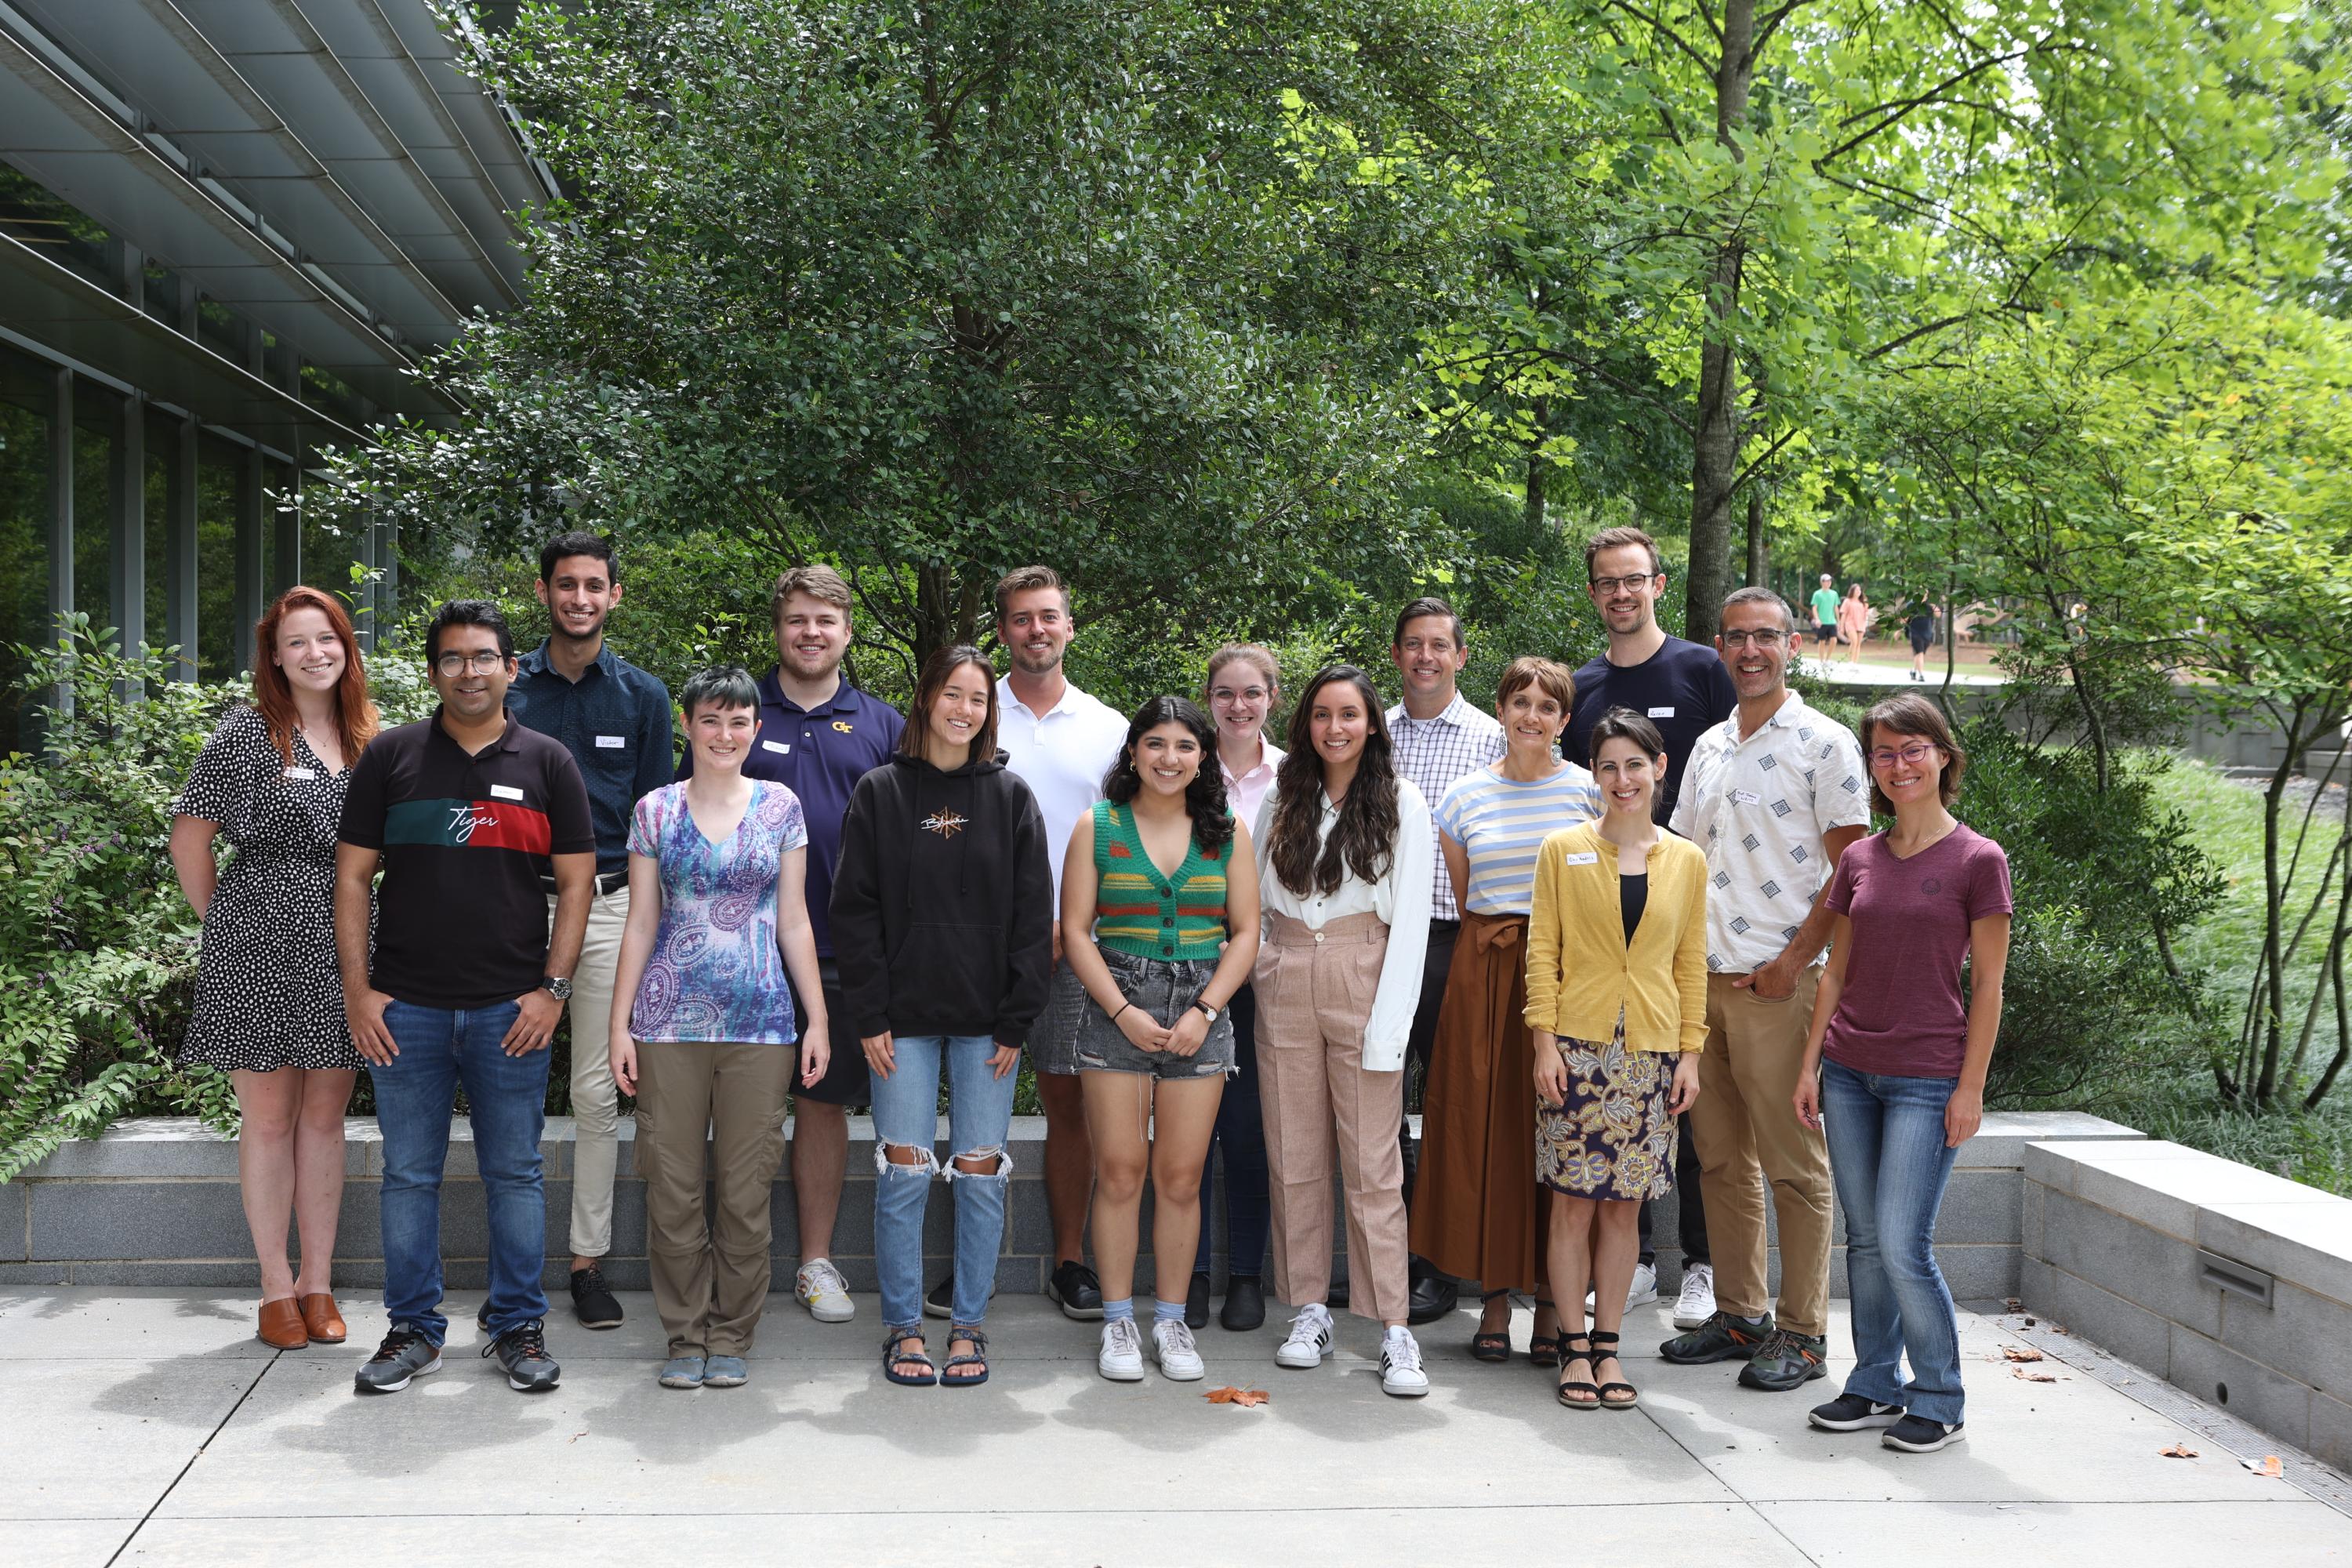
(906, 1113)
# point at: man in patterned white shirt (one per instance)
(1773, 794)
(1438, 737)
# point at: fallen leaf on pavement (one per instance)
(1241, 1396)
(2177, 1451)
(2031, 1377)
(2021, 1353)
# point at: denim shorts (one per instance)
(1165, 988)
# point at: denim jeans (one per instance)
(979, 1117)
(1888, 1160)
(414, 1092)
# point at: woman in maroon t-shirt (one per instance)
(1903, 1085)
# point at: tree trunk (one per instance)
(1715, 446)
(1759, 561)
(1539, 468)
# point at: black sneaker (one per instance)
(405, 1354)
(1244, 1307)
(1853, 1412)
(1434, 1295)
(522, 1351)
(592, 1301)
(1918, 1435)
(1721, 1338)
(1196, 1303)
(1786, 1361)
(1076, 1290)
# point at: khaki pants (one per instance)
(710, 1274)
(596, 1102)
(1746, 1128)
(1314, 992)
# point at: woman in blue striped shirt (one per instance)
(1475, 1208)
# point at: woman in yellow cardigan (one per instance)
(1617, 1004)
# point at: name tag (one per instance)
(301, 772)
(776, 745)
(1745, 796)
(1584, 858)
(610, 742)
(505, 792)
(1662, 713)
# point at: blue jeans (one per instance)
(1888, 1160)
(979, 1117)
(440, 1049)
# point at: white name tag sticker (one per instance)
(505, 792)
(1662, 713)
(301, 772)
(1582, 857)
(1745, 796)
(779, 746)
(610, 742)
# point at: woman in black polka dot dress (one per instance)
(269, 1002)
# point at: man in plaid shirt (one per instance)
(1438, 737)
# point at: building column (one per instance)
(179, 552)
(252, 555)
(126, 592)
(286, 566)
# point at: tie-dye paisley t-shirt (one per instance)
(715, 973)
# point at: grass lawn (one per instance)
(2184, 1104)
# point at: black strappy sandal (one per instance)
(893, 1359)
(1601, 1352)
(1494, 1347)
(978, 1357)
(1544, 1350)
(1575, 1348)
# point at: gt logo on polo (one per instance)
(841, 726)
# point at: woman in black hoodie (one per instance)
(942, 923)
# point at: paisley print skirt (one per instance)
(1613, 1138)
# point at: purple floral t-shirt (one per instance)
(715, 973)
(1901, 1014)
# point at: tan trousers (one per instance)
(1314, 992)
(710, 1276)
(596, 1102)
(1745, 1128)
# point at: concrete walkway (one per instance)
(149, 1427)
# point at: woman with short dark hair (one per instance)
(1895, 1062)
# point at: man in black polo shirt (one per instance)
(464, 812)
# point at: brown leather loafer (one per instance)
(282, 1325)
(325, 1324)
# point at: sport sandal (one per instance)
(1576, 1347)
(1614, 1396)
(978, 1357)
(910, 1369)
(1497, 1346)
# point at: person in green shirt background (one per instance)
(1825, 603)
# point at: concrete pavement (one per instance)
(149, 1426)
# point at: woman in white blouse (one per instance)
(1344, 867)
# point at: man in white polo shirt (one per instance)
(1061, 743)
(1773, 794)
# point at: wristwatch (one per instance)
(1211, 1013)
(558, 986)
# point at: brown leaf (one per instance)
(2031, 1377)
(2021, 1353)
(1241, 1396)
(2177, 1451)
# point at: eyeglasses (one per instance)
(1770, 636)
(1605, 586)
(482, 663)
(1911, 755)
(1238, 694)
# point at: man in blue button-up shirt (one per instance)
(615, 721)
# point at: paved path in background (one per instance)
(151, 1428)
(1842, 672)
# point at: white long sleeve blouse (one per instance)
(1401, 898)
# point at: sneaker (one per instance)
(1853, 1412)
(725, 1371)
(592, 1301)
(1696, 1305)
(682, 1372)
(819, 1286)
(1786, 1361)
(405, 1354)
(1122, 1360)
(1311, 1338)
(1401, 1372)
(941, 1302)
(522, 1351)
(1173, 1348)
(1076, 1290)
(1640, 1293)
(1721, 1338)
(1918, 1435)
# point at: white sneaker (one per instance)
(1123, 1351)
(1642, 1291)
(1311, 1338)
(1173, 1348)
(1401, 1372)
(819, 1286)
(1696, 1305)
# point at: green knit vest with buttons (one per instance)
(1137, 911)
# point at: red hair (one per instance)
(273, 696)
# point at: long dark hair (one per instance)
(1364, 838)
(1204, 797)
(913, 739)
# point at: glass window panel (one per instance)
(93, 504)
(24, 405)
(162, 441)
(216, 469)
